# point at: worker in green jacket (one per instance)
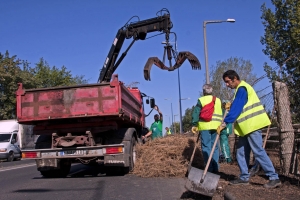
(156, 126)
(224, 138)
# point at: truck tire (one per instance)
(11, 156)
(65, 166)
(132, 157)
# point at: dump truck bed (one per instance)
(83, 101)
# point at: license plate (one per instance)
(72, 152)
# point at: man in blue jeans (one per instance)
(249, 116)
(208, 129)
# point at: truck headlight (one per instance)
(3, 150)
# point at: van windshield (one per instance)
(5, 137)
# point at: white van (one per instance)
(9, 140)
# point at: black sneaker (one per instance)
(272, 184)
(253, 171)
(238, 182)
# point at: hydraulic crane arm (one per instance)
(137, 31)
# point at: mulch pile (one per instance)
(167, 157)
(170, 156)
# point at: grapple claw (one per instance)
(181, 57)
(148, 66)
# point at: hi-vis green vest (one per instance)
(217, 115)
(253, 116)
(169, 132)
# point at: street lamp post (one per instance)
(205, 45)
(179, 90)
(171, 113)
(169, 120)
(174, 124)
(180, 113)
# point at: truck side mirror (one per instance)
(147, 101)
(152, 103)
(13, 141)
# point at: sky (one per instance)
(78, 34)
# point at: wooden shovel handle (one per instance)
(212, 152)
(196, 142)
(268, 130)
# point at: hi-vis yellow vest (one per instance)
(169, 132)
(253, 116)
(217, 115)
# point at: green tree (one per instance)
(282, 45)
(12, 71)
(243, 67)
(46, 76)
(187, 119)
(175, 126)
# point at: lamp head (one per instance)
(230, 20)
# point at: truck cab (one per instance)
(9, 140)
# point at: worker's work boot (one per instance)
(253, 171)
(238, 182)
(272, 184)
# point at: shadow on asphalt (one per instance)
(41, 190)
(192, 195)
(83, 171)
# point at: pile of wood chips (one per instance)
(167, 157)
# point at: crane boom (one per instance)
(137, 31)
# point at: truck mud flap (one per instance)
(116, 160)
(47, 164)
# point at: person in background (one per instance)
(208, 129)
(156, 126)
(249, 116)
(168, 131)
(224, 138)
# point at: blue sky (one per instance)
(78, 34)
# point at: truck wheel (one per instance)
(65, 166)
(11, 157)
(132, 157)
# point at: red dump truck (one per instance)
(89, 123)
(96, 122)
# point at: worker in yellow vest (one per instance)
(208, 128)
(249, 116)
(168, 131)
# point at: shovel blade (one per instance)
(207, 187)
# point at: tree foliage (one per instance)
(13, 71)
(282, 45)
(175, 127)
(244, 68)
(187, 119)
(46, 76)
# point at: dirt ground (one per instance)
(169, 157)
(290, 188)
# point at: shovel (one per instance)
(192, 157)
(204, 182)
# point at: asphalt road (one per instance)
(21, 180)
